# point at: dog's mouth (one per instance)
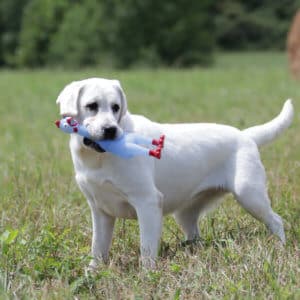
(91, 144)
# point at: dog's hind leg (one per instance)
(188, 217)
(250, 191)
(256, 201)
(188, 221)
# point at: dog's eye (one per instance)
(115, 108)
(92, 106)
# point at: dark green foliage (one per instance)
(254, 24)
(78, 41)
(10, 22)
(125, 33)
(41, 20)
(79, 33)
(177, 33)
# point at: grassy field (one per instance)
(45, 224)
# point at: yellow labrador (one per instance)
(199, 162)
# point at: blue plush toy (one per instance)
(126, 146)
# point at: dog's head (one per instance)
(99, 104)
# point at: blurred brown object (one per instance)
(293, 47)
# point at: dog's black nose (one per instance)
(110, 133)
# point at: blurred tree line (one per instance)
(36, 33)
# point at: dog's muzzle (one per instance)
(89, 143)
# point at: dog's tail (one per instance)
(265, 133)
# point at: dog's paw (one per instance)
(148, 263)
(92, 268)
(194, 242)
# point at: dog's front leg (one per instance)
(149, 213)
(103, 226)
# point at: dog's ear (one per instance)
(123, 98)
(68, 99)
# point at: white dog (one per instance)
(199, 163)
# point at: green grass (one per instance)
(45, 224)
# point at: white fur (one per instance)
(199, 162)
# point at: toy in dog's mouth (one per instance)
(89, 143)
